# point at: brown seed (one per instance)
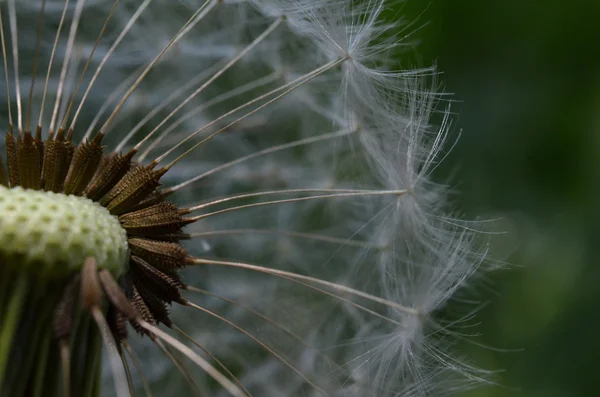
(56, 163)
(91, 292)
(155, 221)
(83, 166)
(160, 254)
(133, 188)
(116, 295)
(143, 310)
(12, 158)
(65, 310)
(109, 173)
(163, 286)
(29, 161)
(117, 324)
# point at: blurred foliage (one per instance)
(526, 78)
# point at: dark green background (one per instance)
(526, 75)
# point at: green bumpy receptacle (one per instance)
(51, 234)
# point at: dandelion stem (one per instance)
(65, 360)
(42, 365)
(10, 319)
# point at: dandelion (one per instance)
(227, 198)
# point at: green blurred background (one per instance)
(526, 78)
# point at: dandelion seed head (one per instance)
(319, 247)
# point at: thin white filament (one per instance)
(228, 385)
(138, 367)
(87, 64)
(244, 88)
(116, 93)
(69, 49)
(12, 16)
(5, 56)
(229, 64)
(338, 287)
(179, 365)
(121, 386)
(191, 340)
(273, 149)
(199, 14)
(54, 46)
(293, 85)
(293, 200)
(174, 95)
(287, 233)
(126, 29)
(261, 343)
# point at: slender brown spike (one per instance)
(83, 166)
(156, 306)
(143, 310)
(154, 198)
(103, 163)
(40, 143)
(109, 174)
(160, 254)
(159, 220)
(116, 295)
(56, 163)
(29, 161)
(3, 173)
(64, 312)
(137, 185)
(119, 187)
(12, 158)
(91, 292)
(117, 323)
(162, 285)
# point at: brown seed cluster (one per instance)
(129, 191)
